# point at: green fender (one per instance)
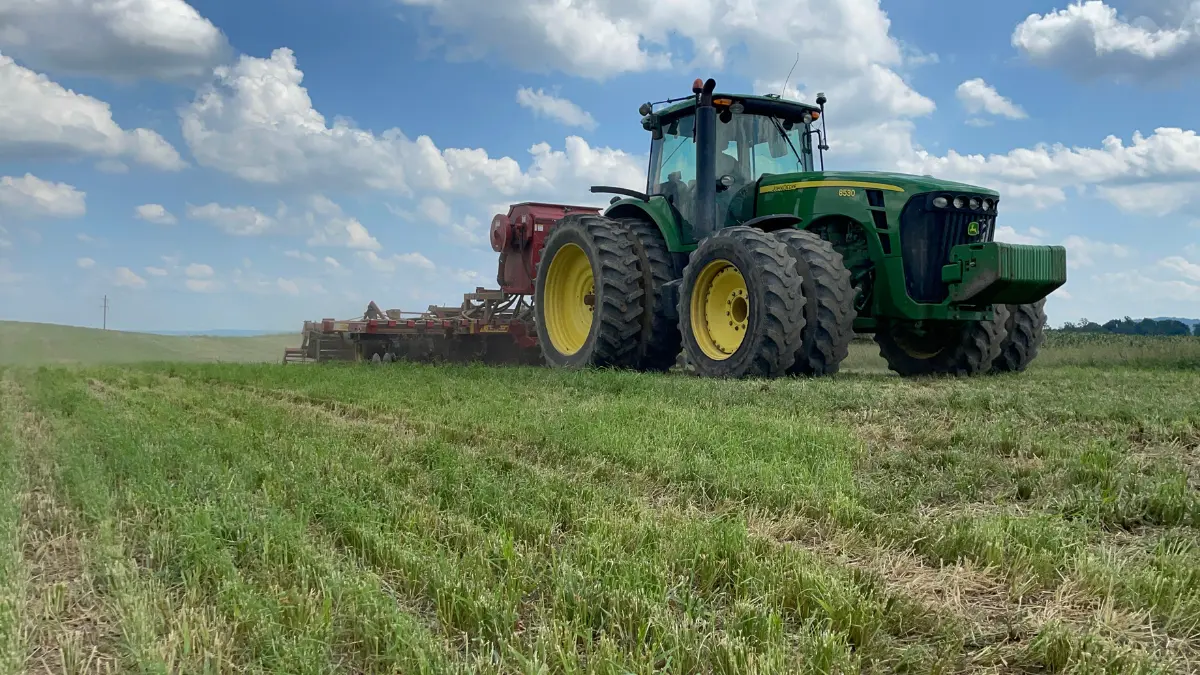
(658, 211)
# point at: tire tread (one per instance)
(1024, 335)
(829, 295)
(659, 341)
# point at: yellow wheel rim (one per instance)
(569, 299)
(720, 310)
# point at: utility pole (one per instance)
(105, 324)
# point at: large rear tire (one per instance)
(588, 299)
(962, 348)
(741, 306)
(829, 303)
(1025, 331)
(659, 340)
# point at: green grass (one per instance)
(32, 344)
(412, 518)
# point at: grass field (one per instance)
(24, 344)
(408, 518)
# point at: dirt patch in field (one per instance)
(997, 621)
(66, 624)
(69, 625)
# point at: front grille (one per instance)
(927, 234)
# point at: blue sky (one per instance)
(251, 165)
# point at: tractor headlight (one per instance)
(974, 203)
(987, 205)
(941, 202)
(959, 202)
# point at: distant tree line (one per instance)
(1128, 326)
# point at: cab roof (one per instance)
(754, 104)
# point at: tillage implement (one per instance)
(746, 259)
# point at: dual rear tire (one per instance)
(741, 305)
(749, 303)
(588, 295)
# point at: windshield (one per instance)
(752, 145)
(748, 147)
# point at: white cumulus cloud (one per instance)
(1090, 39)
(241, 221)
(31, 197)
(1165, 164)
(39, 118)
(436, 210)
(396, 261)
(978, 96)
(154, 213)
(1085, 252)
(1008, 234)
(123, 276)
(198, 271)
(844, 46)
(288, 286)
(558, 109)
(121, 39)
(321, 220)
(85, 263)
(1184, 267)
(257, 122)
(331, 227)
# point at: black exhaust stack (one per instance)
(704, 218)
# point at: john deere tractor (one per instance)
(755, 263)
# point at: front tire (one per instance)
(961, 348)
(587, 299)
(1025, 331)
(741, 306)
(829, 303)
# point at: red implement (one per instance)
(491, 325)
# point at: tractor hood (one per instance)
(910, 183)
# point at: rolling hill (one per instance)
(1190, 322)
(27, 344)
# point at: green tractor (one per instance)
(755, 263)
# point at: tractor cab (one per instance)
(754, 136)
